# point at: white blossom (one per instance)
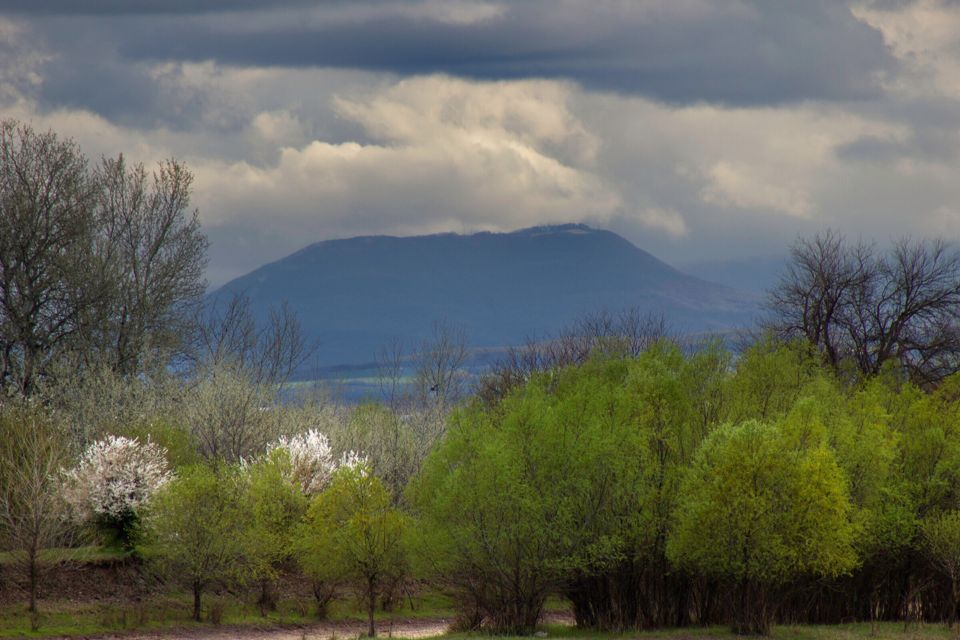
(115, 477)
(311, 459)
(354, 460)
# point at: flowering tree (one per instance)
(114, 479)
(311, 459)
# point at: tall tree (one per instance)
(47, 225)
(98, 265)
(862, 308)
(156, 254)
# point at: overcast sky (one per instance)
(699, 129)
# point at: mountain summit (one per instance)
(358, 294)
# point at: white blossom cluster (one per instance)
(311, 459)
(312, 462)
(354, 460)
(115, 477)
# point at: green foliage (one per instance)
(517, 499)
(277, 505)
(757, 507)
(769, 377)
(353, 534)
(197, 530)
(761, 507)
(174, 438)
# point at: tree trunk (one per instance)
(371, 606)
(32, 578)
(953, 601)
(197, 588)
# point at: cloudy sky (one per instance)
(699, 129)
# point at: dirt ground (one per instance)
(411, 628)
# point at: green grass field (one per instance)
(171, 612)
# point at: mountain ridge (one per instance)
(355, 295)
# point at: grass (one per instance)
(92, 553)
(173, 612)
(69, 619)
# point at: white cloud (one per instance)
(444, 154)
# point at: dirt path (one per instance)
(412, 628)
(409, 628)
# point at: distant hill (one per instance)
(755, 274)
(358, 294)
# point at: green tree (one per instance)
(354, 534)
(278, 505)
(519, 498)
(941, 541)
(33, 516)
(768, 378)
(761, 510)
(197, 530)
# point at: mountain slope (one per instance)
(356, 295)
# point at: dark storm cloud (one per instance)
(127, 7)
(925, 145)
(736, 53)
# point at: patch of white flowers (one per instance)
(115, 477)
(354, 460)
(311, 459)
(312, 463)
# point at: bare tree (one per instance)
(864, 309)
(438, 377)
(156, 254)
(46, 232)
(391, 361)
(239, 372)
(270, 353)
(624, 334)
(32, 513)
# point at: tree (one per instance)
(861, 308)
(307, 460)
(113, 482)
(156, 254)
(197, 530)
(354, 534)
(267, 353)
(760, 509)
(941, 540)
(32, 513)
(625, 334)
(95, 265)
(230, 416)
(518, 499)
(278, 485)
(47, 228)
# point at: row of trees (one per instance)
(673, 489)
(659, 489)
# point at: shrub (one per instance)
(115, 478)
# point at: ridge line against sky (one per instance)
(696, 129)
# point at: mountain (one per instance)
(755, 274)
(358, 294)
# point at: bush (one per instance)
(760, 510)
(114, 480)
